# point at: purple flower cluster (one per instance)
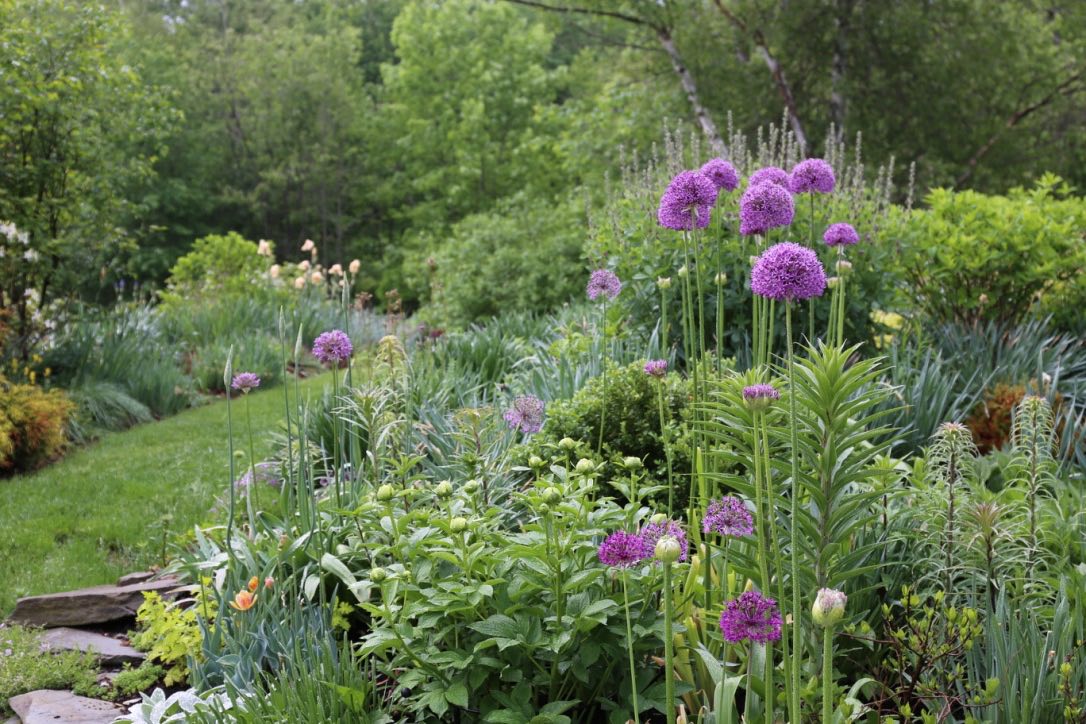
(526, 414)
(787, 272)
(769, 174)
(245, 381)
(603, 282)
(721, 173)
(729, 517)
(687, 202)
(656, 367)
(840, 235)
(812, 176)
(653, 532)
(332, 347)
(761, 391)
(765, 206)
(622, 550)
(751, 616)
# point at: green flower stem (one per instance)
(719, 313)
(774, 538)
(603, 372)
(629, 646)
(767, 347)
(233, 478)
(794, 519)
(827, 675)
(667, 447)
(756, 332)
(252, 469)
(669, 664)
(335, 435)
(707, 583)
(810, 302)
(750, 685)
(763, 504)
(665, 325)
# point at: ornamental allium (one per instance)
(526, 414)
(332, 347)
(603, 282)
(760, 391)
(752, 617)
(729, 517)
(829, 607)
(840, 235)
(687, 202)
(787, 272)
(656, 367)
(763, 207)
(769, 174)
(653, 532)
(812, 176)
(245, 381)
(721, 173)
(623, 550)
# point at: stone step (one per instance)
(99, 604)
(49, 706)
(110, 651)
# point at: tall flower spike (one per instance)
(763, 207)
(812, 176)
(721, 173)
(687, 203)
(603, 282)
(788, 272)
(752, 617)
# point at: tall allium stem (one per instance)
(841, 277)
(750, 686)
(794, 520)
(719, 311)
(761, 531)
(230, 448)
(669, 644)
(603, 372)
(288, 486)
(778, 564)
(952, 473)
(827, 674)
(810, 302)
(335, 435)
(630, 647)
(665, 326)
(667, 448)
(252, 469)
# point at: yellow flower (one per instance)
(243, 601)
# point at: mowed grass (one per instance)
(104, 509)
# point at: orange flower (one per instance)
(269, 582)
(243, 601)
(254, 582)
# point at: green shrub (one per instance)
(217, 264)
(24, 669)
(33, 425)
(972, 258)
(170, 634)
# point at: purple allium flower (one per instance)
(332, 347)
(728, 516)
(721, 173)
(526, 414)
(840, 235)
(763, 207)
(751, 616)
(787, 272)
(769, 174)
(622, 550)
(761, 392)
(812, 176)
(690, 194)
(656, 367)
(245, 381)
(603, 281)
(653, 532)
(266, 472)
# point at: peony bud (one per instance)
(385, 493)
(567, 443)
(458, 525)
(632, 463)
(585, 466)
(378, 574)
(444, 489)
(552, 495)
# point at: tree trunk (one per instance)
(705, 121)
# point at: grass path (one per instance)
(104, 509)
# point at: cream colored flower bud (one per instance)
(299, 283)
(308, 245)
(664, 282)
(336, 270)
(316, 277)
(829, 607)
(274, 270)
(304, 265)
(354, 266)
(668, 549)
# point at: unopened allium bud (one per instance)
(721, 279)
(552, 495)
(385, 492)
(658, 518)
(458, 525)
(585, 466)
(759, 397)
(683, 271)
(833, 282)
(378, 574)
(444, 489)
(567, 443)
(663, 282)
(844, 266)
(668, 549)
(829, 607)
(632, 463)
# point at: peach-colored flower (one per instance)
(254, 582)
(304, 265)
(354, 266)
(263, 247)
(336, 270)
(308, 245)
(274, 271)
(299, 283)
(316, 277)
(269, 582)
(243, 601)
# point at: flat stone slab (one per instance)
(49, 706)
(110, 651)
(100, 604)
(138, 577)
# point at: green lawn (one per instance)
(102, 510)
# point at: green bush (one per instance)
(972, 258)
(217, 264)
(33, 425)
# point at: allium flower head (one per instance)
(751, 616)
(622, 550)
(332, 347)
(787, 272)
(605, 282)
(245, 381)
(812, 176)
(728, 516)
(721, 173)
(829, 607)
(656, 367)
(526, 414)
(769, 174)
(759, 397)
(653, 532)
(687, 202)
(763, 207)
(840, 235)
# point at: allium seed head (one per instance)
(526, 414)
